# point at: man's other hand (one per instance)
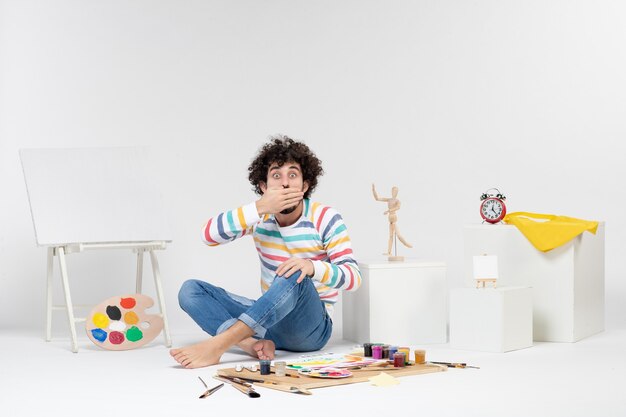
(290, 266)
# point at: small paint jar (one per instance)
(386, 352)
(392, 350)
(406, 351)
(367, 350)
(398, 360)
(265, 367)
(420, 356)
(377, 352)
(280, 368)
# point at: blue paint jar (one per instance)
(265, 366)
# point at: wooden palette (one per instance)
(120, 323)
(307, 382)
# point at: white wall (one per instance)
(442, 98)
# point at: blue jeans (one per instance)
(289, 314)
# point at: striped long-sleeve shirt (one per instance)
(319, 235)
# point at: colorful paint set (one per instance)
(392, 353)
(120, 323)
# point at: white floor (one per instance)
(587, 378)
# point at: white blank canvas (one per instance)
(485, 267)
(89, 195)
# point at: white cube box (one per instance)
(491, 319)
(398, 303)
(567, 282)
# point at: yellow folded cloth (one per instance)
(548, 231)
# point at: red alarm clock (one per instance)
(492, 207)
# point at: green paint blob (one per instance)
(134, 334)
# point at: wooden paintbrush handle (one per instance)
(284, 388)
(250, 392)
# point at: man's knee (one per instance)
(295, 276)
(187, 292)
(282, 280)
(291, 284)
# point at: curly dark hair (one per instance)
(281, 149)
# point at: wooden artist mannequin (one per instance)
(393, 205)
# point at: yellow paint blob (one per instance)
(131, 318)
(100, 320)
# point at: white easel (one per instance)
(94, 199)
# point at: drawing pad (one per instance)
(93, 195)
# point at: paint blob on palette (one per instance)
(328, 372)
(121, 323)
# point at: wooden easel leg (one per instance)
(68, 298)
(159, 290)
(50, 273)
(139, 270)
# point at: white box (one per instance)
(568, 282)
(398, 303)
(491, 319)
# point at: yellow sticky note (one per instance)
(384, 380)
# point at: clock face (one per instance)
(492, 210)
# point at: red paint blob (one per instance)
(116, 338)
(128, 302)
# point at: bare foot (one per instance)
(262, 349)
(199, 355)
(265, 349)
(210, 351)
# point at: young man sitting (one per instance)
(305, 255)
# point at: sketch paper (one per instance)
(94, 195)
(485, 266)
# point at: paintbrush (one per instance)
(269, 384)
(240, 385)
(294, 389)
(209, 391)
(454, 364)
